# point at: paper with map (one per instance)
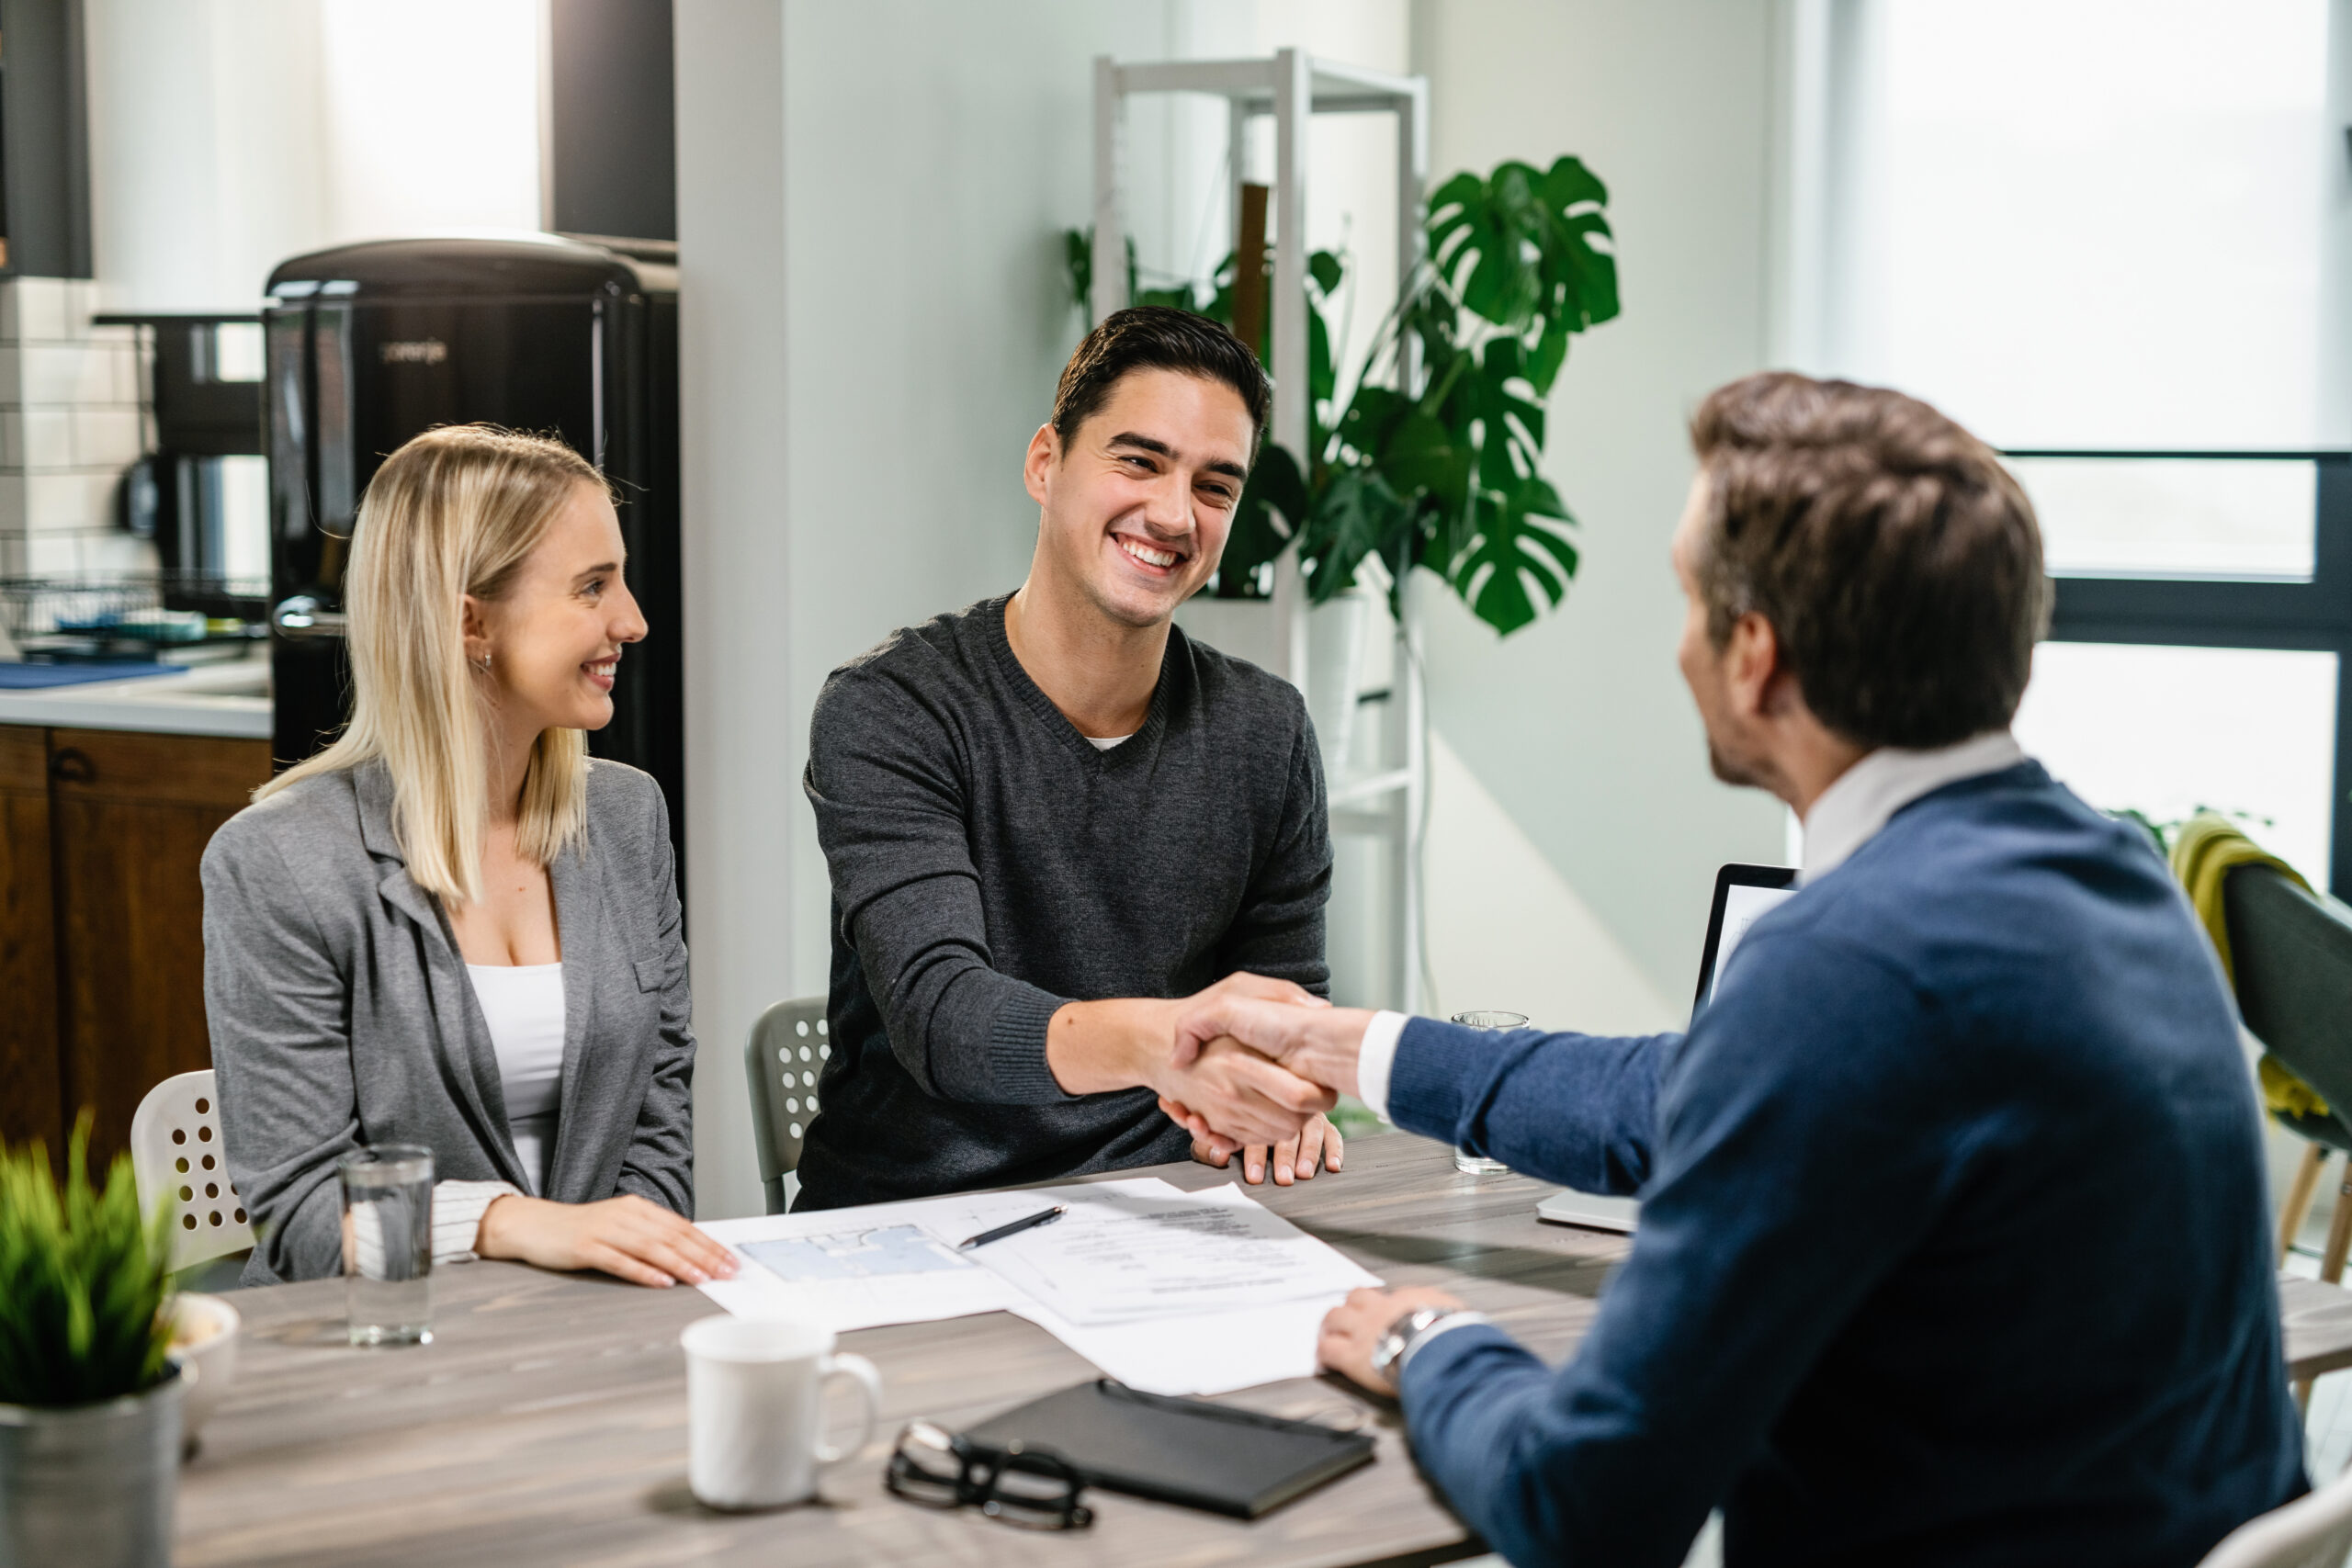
(879, 1263)
(1167, 1291)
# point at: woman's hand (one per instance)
(1295, 1158)
(626, 1237)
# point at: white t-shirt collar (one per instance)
(1850, 813)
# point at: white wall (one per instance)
(1507, 934)
(737, 582)
(228, 135)
(205, 167)
(1580, 726)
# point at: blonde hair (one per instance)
(453, 513)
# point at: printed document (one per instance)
(1122, 1254)
(1167, 1291)
(1208, 1353)
(865, 1267)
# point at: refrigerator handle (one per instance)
(302, 617)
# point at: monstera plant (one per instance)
(1446, 476)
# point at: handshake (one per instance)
(1252, 1065)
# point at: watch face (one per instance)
(1400, 1334)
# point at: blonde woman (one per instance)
(451, 927)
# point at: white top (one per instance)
(1104, 742)
(1845, 817)
(522, 1004)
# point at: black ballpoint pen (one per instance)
(1015, 1228)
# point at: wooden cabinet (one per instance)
(31, 1087)
(127, 816)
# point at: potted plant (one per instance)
(89, 1400)
(1445, 475)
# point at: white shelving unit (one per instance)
(1385, 800)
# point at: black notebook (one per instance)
(1180, 1451)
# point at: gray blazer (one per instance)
(342, 1015)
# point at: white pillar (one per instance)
(739, 783)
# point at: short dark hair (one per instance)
(1158, 337)
(1898, 562)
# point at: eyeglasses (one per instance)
(1035, 1488)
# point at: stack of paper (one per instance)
(1167, 1291)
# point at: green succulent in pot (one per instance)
(89, 1398)
(84, 1273)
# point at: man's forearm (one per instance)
(1094, 1047)
(1575, 1109)
(1241, 1098)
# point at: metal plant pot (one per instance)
(92, 1484)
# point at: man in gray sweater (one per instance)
(1052, 817)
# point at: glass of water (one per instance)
(1478, 1165)
(388, 1243)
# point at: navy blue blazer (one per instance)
(1954, 1247)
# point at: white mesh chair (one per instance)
(785, 1054)
(176, 1147)
(2310, 1532)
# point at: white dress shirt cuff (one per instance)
(1375, 1057)
(1445, 1325)
(457, 1216)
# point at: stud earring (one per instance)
(484, 665)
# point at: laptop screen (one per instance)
(1743, 893)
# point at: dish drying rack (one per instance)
(98, 617)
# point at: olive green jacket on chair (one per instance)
(2207, 849)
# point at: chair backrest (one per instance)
(2292, 955)
(786, 1050)
(176, 1147)
(2314, 1532)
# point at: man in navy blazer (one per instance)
(1953, 1244)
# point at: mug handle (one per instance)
(860, 1370)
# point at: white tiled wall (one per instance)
(69, 425)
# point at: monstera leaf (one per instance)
(1357, 514)
(1516, 536)
(1519, 248)
(1272, 508)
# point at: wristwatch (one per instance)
(1390, 1351)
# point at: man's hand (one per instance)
(1236, 1098)
(626, 1237)
(1294, 1159)
(1353, 1329)
(1314, 1043)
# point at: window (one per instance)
(2126, 516)
(2165, 731)
(2096, 231)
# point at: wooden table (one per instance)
(546, 1422)
(2318, 1321)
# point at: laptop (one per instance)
(1743, 893)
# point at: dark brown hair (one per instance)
(1898, 563)
(1158, 337)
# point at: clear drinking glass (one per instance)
(388, 1243)
(1477, 1165)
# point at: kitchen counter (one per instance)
(229, 699)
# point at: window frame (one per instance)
(2311, 615)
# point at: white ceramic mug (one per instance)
(755, 1409)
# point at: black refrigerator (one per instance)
(369, 345)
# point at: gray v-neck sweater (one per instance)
(989, 865)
